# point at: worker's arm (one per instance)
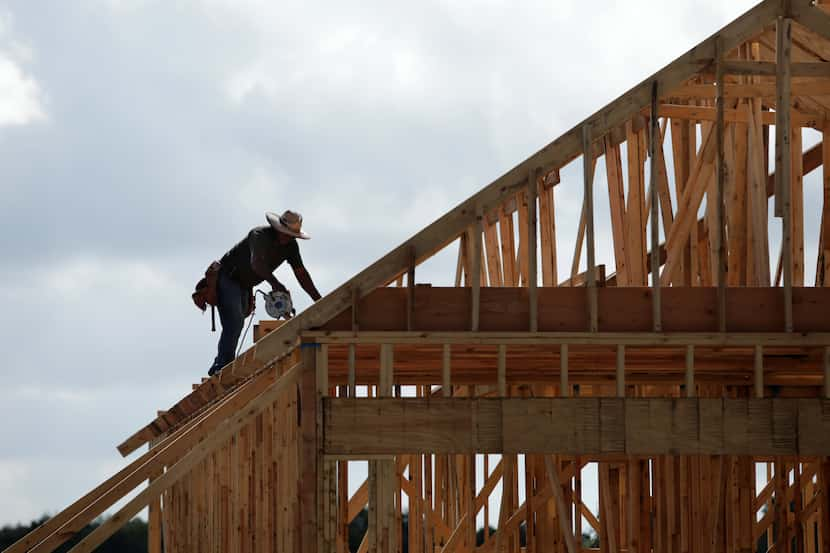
(305, 281)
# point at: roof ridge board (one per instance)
(446, 228)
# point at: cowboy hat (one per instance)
(288, 223)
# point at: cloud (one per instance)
(21, 98)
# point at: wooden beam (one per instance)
(588, 170)
(589, 427)
(712, 339)
(655, 141)
(629, 309)
(691, 389)
(720, 195)
(734, 115)
(783, 158)
(476, 272)
(802, 69)
(532, 254)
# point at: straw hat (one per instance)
(288, 223)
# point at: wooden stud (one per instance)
(476, 271)
(501, 371)
(587, 161)
(446, 384)
(691, 389)
(783, 162)
(721, 187)
(564, 386)
(352, 377)
(620, 370)
(827, 372)
(759, 371)
(654, 139)
(532, 255)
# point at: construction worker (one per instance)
(247, 264)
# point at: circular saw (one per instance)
(278, 304)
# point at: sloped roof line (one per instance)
(448, 227)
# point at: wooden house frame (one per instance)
(692, 375)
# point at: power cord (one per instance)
(250, 320)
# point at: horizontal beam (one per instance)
(577, 426)
(732, 115)
(747, 90)
(803, 69)
(623, 309)
(657, 339)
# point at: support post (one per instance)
(721, 185)
(564, 386)
(783, 158)
(654, 141)
(309, 463)
(501, 371)
(620, 370)
(532, 277)
(759, 371)
(476, 270)
(827, 373)
(154, 519)
(587, 161)
(446, 383)
(690, 371)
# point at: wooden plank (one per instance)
(616, 201)
(735, 115)
(501, 371)
(590, 427)
(655, 141)
(620, 380)
(588, 174)
(691, 389)
(797, 207)
(635, 210)
(492, 247)
(532, 253)
(476, 272)
(783, 160)
(720, 233)
(562, 309)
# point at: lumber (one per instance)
(592, 427)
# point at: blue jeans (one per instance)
(232, 302)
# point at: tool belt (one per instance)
(205, 293)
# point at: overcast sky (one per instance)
(140, 139)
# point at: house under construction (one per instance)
(690, 372)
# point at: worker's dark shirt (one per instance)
(261, 242)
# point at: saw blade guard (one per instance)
(278, 304)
